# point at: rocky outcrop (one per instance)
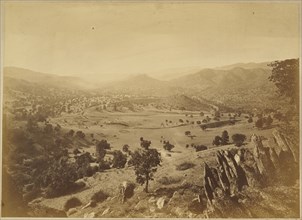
(238, 169)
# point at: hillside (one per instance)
(52, 80)
(239, 85)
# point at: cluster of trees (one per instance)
(264, 122)
(223, 140)
(238, 139)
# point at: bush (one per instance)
(217, 141)
(99, 196)
(167, 180)
(250, 120)
(238, 139)
(168, 146)
(72, 203)
(145, 144)
(185, 166)
(101, 148)
(80, 134)
(225, 137)
(119, 159)
(188, 133)
(200, 147)
(126, 148)
(104, 165)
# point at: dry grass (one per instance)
(185, 166)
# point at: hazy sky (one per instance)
(110, 40)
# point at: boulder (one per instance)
(161, 202)
(89, 215)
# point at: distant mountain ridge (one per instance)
(46, 79)
(233, 84)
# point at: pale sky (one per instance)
(112, 40)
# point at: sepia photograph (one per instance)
(150, 109)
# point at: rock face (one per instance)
(238, 170)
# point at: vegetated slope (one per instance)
(184, 102)
(237, 87)
(46, 79)
(251, 65)
(142, 85)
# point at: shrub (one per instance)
(72, 203)
(101, 148)
(185, 166)
(126, 148)
(168, 146)
(200, 147)
(188, 133)
(119, 159)
(250, 120)
(167, 180)
(238, 139)
(76, 151)
(104, 165)
(225, 137)
(80, 134)
(217, 141)
(145, 144)
(99, 196)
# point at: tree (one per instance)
(250, 120)
(187, 133)
(145, 144)
(217, 141)
(238, 139)
(119, 159)
(145, 164)
(71, 133)
(285, 75)
(201, 114)
(126, 148)
(168, 146)
(80, 134)
(101, 148)
(203, 127)
(225, 137)
(259, 123)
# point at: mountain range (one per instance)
(233, 84)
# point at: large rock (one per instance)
(161, 202)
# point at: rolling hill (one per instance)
(52, 80)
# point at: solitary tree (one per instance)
(145, 164)
(285, 75)
(238, 139)
(225, 137)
